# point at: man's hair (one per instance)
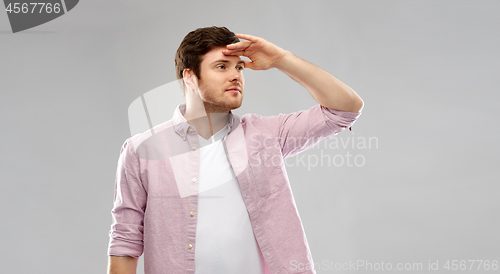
(196, 44)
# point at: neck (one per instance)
(206, 122)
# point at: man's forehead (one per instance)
(216, 54)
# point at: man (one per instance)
(207, 192)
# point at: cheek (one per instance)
(210, 90)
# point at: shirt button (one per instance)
(190, 129)
(194, 180)
(192, 213)
(190, 246)
(183, 135)
(194, 147)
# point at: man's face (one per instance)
(221, 81)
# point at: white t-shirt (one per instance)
(225, 242)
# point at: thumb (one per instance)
(249, 64)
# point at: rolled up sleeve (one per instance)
(126, 234)
(303, 129)
(338, 120)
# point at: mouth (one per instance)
(234, 90)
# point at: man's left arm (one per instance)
(323, 86)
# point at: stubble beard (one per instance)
(218, 103)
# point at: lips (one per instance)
(234, 90)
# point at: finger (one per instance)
(247, 37)
(239, 45)
(234, 52)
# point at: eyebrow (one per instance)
(227, 61)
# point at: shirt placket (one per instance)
(191, 202)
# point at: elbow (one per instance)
(358, 104)
(355, 105)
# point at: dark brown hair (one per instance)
(196, 44)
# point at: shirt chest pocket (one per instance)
(267, 167)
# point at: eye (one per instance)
(240, 68)
(221, 66)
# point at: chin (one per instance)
(232, 103)
(236, 105)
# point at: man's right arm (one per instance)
(126, 234)
(122, 265)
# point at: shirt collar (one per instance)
(181, 125)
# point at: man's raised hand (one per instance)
(263, 54)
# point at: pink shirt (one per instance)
(156, 194)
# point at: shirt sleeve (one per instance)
(302, 130)
(126, 234)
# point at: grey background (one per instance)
(426, 70)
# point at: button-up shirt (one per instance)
(156, 194)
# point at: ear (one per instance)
(190, 79)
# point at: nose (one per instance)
(236, 75)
